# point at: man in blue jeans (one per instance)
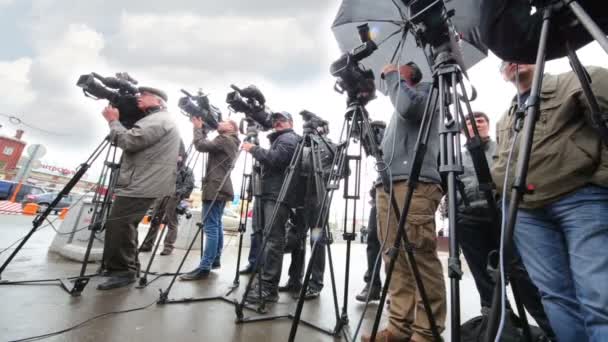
(216, 189)
(562, 226)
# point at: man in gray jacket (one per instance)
(148, 171)
(407, 319)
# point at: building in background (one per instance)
(11, 149)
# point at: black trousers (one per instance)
(120, 244)
(298, 254)
(172, 222)
(477, 237)
(372, 249)
(272, 257)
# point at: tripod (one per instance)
(164, 295)
(357, 128)
(532, 110)
(101, 209)
(311, 141)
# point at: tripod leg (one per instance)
(589, 24)
(320, 221)
(246, 197)
(598, 119)
(66, 190)
(519, 184)
(160, 219)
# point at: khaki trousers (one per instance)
(407, 317)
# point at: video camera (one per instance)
(251, 102)
(313, 122)
(353, 79)
(183, 208)
(432, 25)
(199, 106)
(120, 90)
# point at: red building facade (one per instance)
(11, 149)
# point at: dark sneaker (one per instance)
(166, 251)
(196, 274)
(267, 295)
(116, 282)
(290, 287)
(247, 270)
(216, 265)
(374, 293)
(312, 293)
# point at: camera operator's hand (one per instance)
(110, 114)
(247, 146)
(197, 122)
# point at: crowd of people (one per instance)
(561, 228)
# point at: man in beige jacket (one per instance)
(147, 171)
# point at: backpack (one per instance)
(474, 330)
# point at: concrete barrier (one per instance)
(73, 234)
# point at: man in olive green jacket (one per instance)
(147, 171)
(562, 226)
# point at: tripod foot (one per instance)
(162, 298)
(79, 285)
(238, 309)
(142, 283)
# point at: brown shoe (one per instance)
(383, 336)
(166, 251)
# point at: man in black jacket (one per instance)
(183, 189)
(274, 163)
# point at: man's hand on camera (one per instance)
(197, 122)
(247, 146)
(110, 114)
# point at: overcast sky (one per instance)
(284, 47)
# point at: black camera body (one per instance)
(199, 106)
(251, 102)
(182, 209)
(121, 91)
(353, 79)
(313, 122)
(251, 130)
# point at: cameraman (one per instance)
(305, 216)
(274, 163)
(479, 234)
(216, 188)
(561, 229)
(147, 172)
(407, 318)
(183, 189)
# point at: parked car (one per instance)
(7, 188)
(43, 201)
(230, 220)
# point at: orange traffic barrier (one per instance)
(30, 209)
(63, 213)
